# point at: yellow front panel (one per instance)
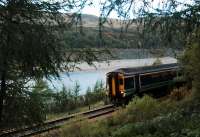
(113, 87)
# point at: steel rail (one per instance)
(56, 123)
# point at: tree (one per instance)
(76, 91)
(191, 62)
(28, 105)
(32, 44)
(63, 100)
(88, 96)
(181, 28)
(99, 86)
(44, 94)
(29, 45)
(171, 22)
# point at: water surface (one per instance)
(90, 75)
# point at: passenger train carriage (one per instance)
(126, 82)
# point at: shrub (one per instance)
(146, 117)
(191, 62)
(142, 108)
(84, 129)
(124, 131)
(179, 93)
(173, 124)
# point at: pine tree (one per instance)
(76, 91)
(31, 45)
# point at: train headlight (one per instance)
(124, 94)
(121, 91)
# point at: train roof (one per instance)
(145, 69)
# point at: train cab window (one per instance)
(129, 83)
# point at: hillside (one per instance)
(91, 21)
(115, 34)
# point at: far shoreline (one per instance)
(111, 65)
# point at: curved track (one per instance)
(53, 124)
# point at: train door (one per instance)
(111, 85)
(137, 83)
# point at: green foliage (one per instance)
(28, 106)
(191, 63)
(76, 91)
(23, 110)
(145, 117)
(32, 46)
(97, 93)
(138, 110)
(63, 101)
(173, 124)
(69, 99)
(84, 129)
(37, 108)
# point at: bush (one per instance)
(124, 131)
(96, 94)
(179, 93)
(174, 124)
(70, 101)
(85, 129)
(146, 117)
(24, 107)
(191, 62)
(142, 108)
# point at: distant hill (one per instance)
(92, 21)
(114, 34)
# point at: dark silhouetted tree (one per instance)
(32, 46)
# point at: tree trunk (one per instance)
(2, 95)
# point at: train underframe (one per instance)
(155, 93)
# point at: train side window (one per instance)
(129, 83)
(156, 78)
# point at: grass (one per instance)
(76, 110)
(145, 117)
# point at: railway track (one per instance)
(53, 124)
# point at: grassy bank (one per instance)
(176, 116)
(76, 110)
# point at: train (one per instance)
(124, 83)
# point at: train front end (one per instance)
(115, 86)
